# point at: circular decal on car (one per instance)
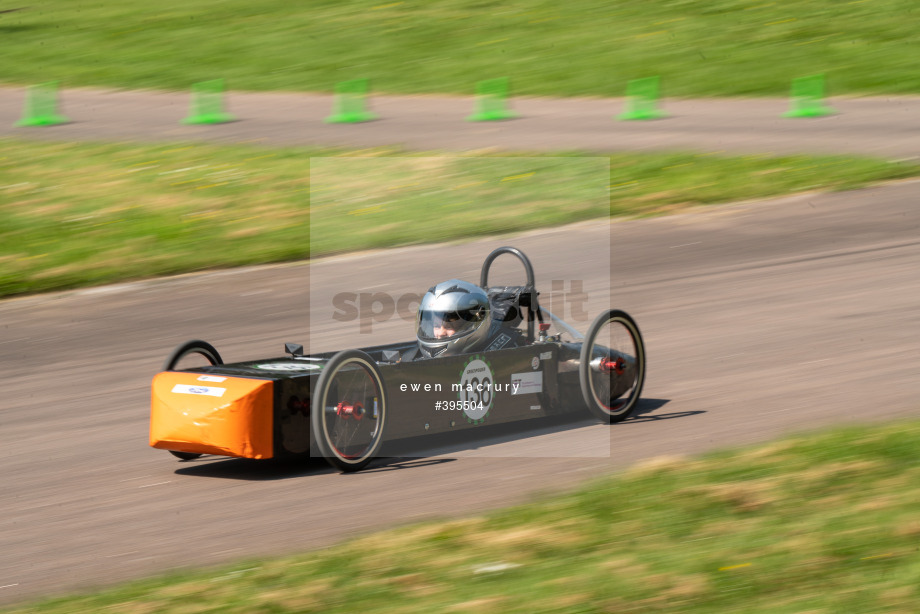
(287, 366)
(535, 363)
(476, 389)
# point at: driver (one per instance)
(454, 317)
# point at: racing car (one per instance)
(345, 405)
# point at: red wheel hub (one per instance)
(355, 411)
(618, 365)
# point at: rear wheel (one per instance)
(612, 366)
(196, 349)
(349, 410)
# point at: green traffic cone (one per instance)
(642, 100)
(807, 98)
(207, 105)
(41, 106)
(492, 101)
(350, 105)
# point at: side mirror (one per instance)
(294, 349)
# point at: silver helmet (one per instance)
(453, 317)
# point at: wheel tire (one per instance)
(345, 381)
(626, 379)
(195, 346)
(185, 455)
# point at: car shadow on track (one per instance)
(273, 469)
(417, 452)
(256, 470)
(403, 452)
(645, 407)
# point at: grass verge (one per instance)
(76, 214)
(587, 47)
(825, 523)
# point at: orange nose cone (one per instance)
(230, 417)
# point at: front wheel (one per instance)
(349, 410)
(196, 346)
(185, 455)
(612, 366)
(201, 348)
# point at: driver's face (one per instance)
(444, 329)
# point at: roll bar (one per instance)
(484, 277)
(533, 306)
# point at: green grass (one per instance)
(587, 47)
(77, 214)
(825, 523)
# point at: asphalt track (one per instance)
(760, 319)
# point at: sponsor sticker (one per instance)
(287, 366)
(202, 390)
(211, 378)
(500, 342)
(527, 383)
(546, 355)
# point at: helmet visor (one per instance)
(447, 325)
